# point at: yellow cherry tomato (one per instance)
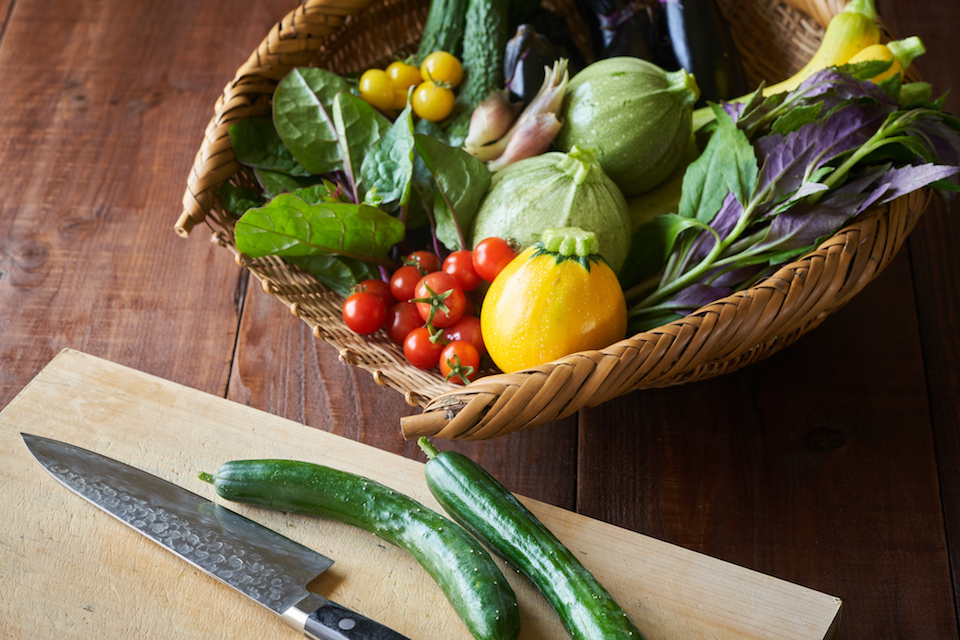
(432, 102)
(403, 75)
(442, 68)
(376, 88)
(550, 302)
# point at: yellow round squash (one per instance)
(556, 298)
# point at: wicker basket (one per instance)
(774, 39)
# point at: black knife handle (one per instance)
(333, 622)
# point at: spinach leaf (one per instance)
(276, 182)
(303, 115)
(237, 200)
(389, 162)
(289, 226)
(256, 143)
(358, 126)
(462, 181)
(336, 272)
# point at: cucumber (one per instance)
(484, 40)
(464, 570)
(443, 29)
(487, 509)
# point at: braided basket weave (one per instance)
(774, 37)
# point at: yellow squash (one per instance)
(853, 29)
(556, 298)
(901, 52)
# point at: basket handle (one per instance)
(293, 41)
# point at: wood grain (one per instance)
(98, 131)
(56, 541)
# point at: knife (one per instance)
(254, 560)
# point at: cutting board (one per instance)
(72, 571)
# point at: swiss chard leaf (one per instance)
(289, 226)
(358, 126)
(303, 115)
(389, 162)
(256, 143)
(462, 180)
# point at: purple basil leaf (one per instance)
(805, 223)
(786, 160)
(903, 180)
(835, 87)
(723, 223)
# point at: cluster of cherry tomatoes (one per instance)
(428, 307)
(435, 79)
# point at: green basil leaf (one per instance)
(462, 181)
(727, 164)
(796, 118)
(358, 127)
(289, 226)
(302, 113)
(256, 143)
(388, 165)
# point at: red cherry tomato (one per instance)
(420, 350)
(377, 287)
(466, 329)
(427, 261)
(404, 281)
(440, 299)
(490, 256)
(459, 264)
(459, 362)
(364, 312)
(402, 318)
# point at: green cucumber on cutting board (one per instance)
(70, 569)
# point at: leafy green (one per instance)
(336, 272)
(389, 163)
(237, 200)
(358, 126)
(462, 180)
(779, 175)
(303, 115)
(256, 143)
(289, 226)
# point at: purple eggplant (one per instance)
(700, 41)
(535, 47)
(624, 28)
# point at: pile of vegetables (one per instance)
(407, 190)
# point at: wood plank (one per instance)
(935, 257)
(100, 131)
(816, 466)
(89, 575)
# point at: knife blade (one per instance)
(262, 564)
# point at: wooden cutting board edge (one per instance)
(671, 592)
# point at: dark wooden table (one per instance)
(834, 464)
